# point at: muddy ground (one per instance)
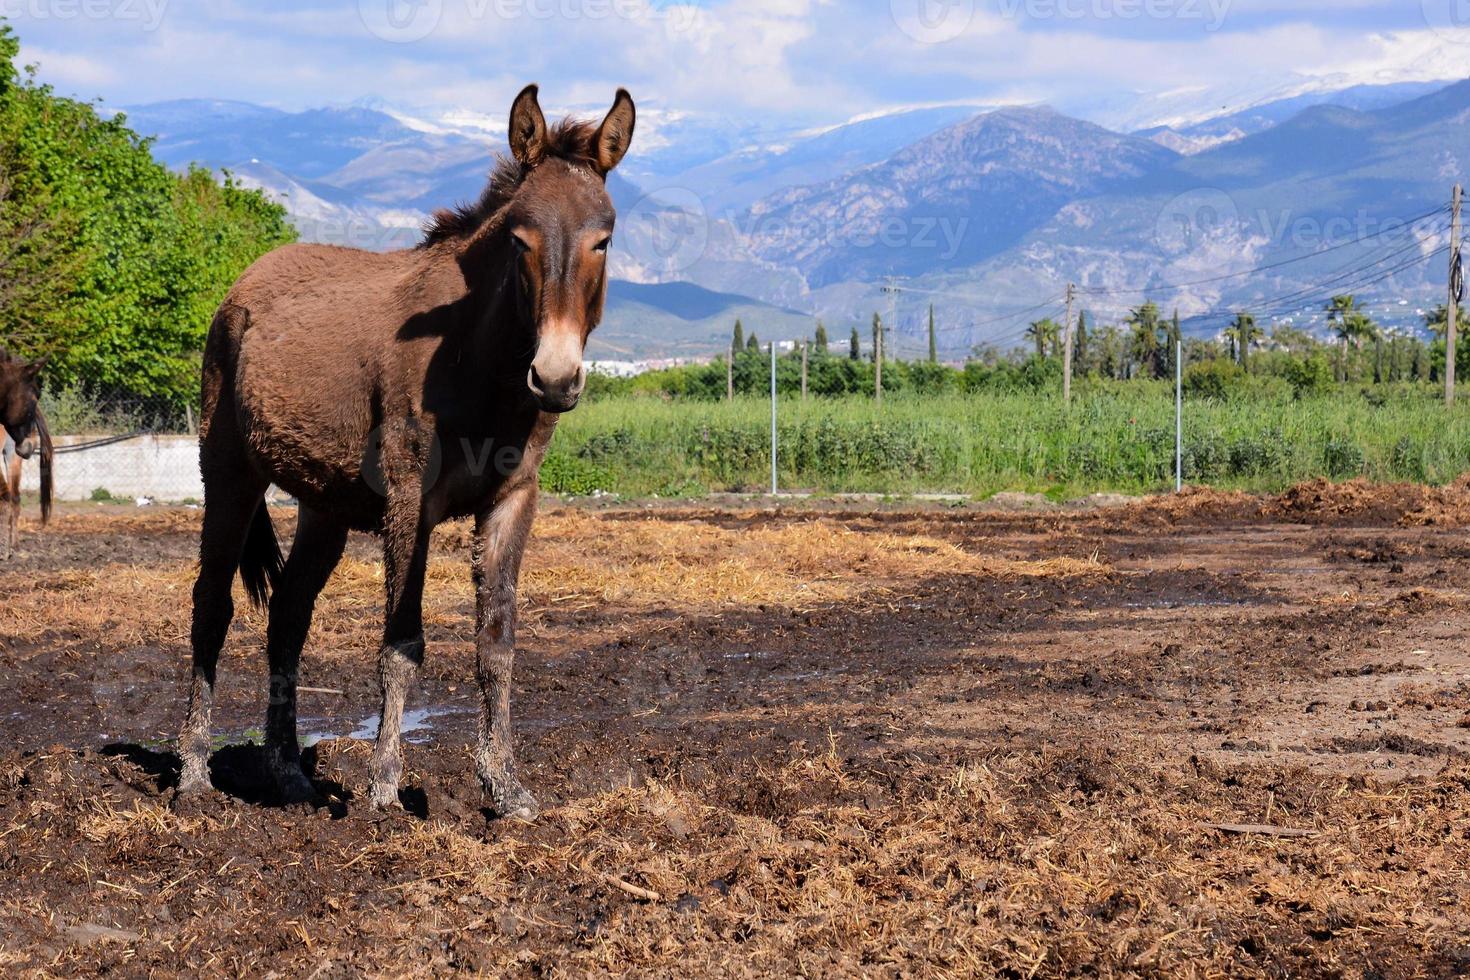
(810, 740)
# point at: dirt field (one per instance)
(810, 741)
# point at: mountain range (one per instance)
(985, 211)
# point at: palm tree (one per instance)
(1342, 311)
(1436, 320)
(1243, 332)
(1044, 334)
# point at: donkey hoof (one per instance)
(193, 783)
(295, 790)
(384, 797)
(512, 802)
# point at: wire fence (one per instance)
(120, 448)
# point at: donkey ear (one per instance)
(527, 128)
(616, 132)
(34, 369)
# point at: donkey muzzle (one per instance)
(557, 377)
(557, 394)
(27, 447)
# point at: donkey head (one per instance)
(560, 223)
(19, 395)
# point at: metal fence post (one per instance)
(1178, 416)
(773, 418)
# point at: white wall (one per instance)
(165, 468)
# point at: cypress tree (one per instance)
(854, 351)
(933, 342)
(820, 343)
(1079, 351)
(738, 339)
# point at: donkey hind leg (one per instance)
(230, 506)
(315, 552)
(405, 552)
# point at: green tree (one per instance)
(933, 340)
(1343, 314)
(1079, 344)
(877, 337)
(753, 343)
(1243, 332)
(737, 339)
(136, 258)
(1144, 325)
(854, 348)
(1436, 319)
(820, 343)
(1043, 333)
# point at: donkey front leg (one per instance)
(405, 553)
(500, 539)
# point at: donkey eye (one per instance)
(519, 244)
(602, 245)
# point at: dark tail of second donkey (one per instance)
(260, 562)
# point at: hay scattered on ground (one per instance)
(1023, 864)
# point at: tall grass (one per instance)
(1118, 438)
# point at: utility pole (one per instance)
(730, 374)
(1067, 348)
(803, 370)
(892, 323)
(1452, 308)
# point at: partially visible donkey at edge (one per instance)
(23, 433)
(390, 392)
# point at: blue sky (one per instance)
(792, 60)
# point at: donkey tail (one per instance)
(260, 562)
(48, 453)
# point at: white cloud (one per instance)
(799, 62)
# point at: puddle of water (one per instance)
(418, 725)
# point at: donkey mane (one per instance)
(572, 140)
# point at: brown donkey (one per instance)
(390, 392)
(22, 433)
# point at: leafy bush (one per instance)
(1215, 378)
(565, 474)
(1341, 458)
(1309, 375)
(136, 258)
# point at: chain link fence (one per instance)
(120, 449)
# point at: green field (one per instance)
(1113, 437)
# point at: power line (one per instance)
(1169, 287)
